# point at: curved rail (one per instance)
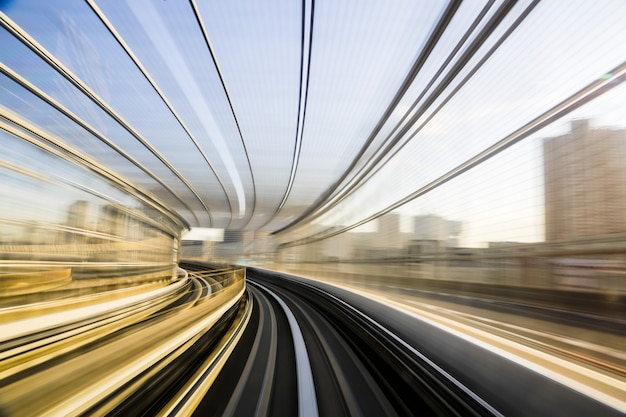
(370, 358)
(104, 356)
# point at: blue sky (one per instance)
(361, 52)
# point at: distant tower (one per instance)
(388, 235)
(585, 183)
(435, 228)
(77, 218)
(112, 220)
(77, 214)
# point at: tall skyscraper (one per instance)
(585, 183)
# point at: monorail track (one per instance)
(368, 359)
(282, 345)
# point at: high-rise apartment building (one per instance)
(585, 183)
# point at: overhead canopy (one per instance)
(257, 115)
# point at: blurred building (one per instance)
(197, 249)
(259, 246)
(231, 248)
(437, 229)
(77, 215)
(585, 183)
(340, 247)
(388, 234)
(112, 220)
(77, 219)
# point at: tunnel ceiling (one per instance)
(254, 115)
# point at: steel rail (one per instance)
(586, 94)
(54, 146)
(209, 45)
(400, 140)
(157, 89)
(65, 72)
(188, 398)
(74, 118)
(305, 50)
(307, 401)
(419, 62)
(397, 134)
(404, 345)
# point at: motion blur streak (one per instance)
(103, 356)
(313, 207)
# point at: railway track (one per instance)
(369, 359)
(279, 345)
